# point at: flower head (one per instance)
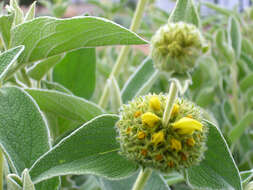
(176, 47)
(144, 138)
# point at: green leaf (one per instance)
(31, 12)
(185, 11)
(240, 127)
(27, 182)
(143, 73)
(235, 37)
(54, 86)
(77, 72)
(205, 96)
(8, 58)
(218, 9)
(68, 106)
(40, 69)
(44, 37)
(218, 170)
(19, 15)
(13, 182)
(23, 131)
(5, 29)
(155, 182)
(246, 176)
(92, 148)
(51, 184)
(115, 96)
(246, 83)
(247, 46)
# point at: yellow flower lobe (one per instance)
(187, 126)
(175, 110)
(150, 119)
(158, 138)
(155, 103)
(137, 114)
(128, 130)
(141, 135)
(190, 142)
(175, 144)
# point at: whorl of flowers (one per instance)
(176, 46)
(145, 140)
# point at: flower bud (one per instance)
(146, 140)
(176, 47)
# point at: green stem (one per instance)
(170, 102)
(25, 77)
(142, 179)
(124, 51)
(1, 169)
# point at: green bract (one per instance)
(144, 139)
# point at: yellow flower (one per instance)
(150, 119)
(175, 144)
(175, 110)
(137, 114)
(190, 142)
(155, 103)
(141, 135)
(187, 126)
(158, 138)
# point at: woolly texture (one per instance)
(176, 46)
(145, 140)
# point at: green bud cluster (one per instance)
(145, 140)
(176, 46)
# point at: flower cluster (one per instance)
(144, 138)
(176, 47)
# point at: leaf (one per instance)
(31, 12)
(54, 86)
(246, 176)
(116, 101)
(185, 11)
(65, 105)
(246, 83)
(5, 29)
(13, 182)
(8, 58)
(93, 149)
(19, 15)
(235, 36)
(44, 37)
(155, 182)
(137, 80)
(27, 182)
(40, 69)
(247, 46)
(51, 184)
(205, 96)
(240, 127)
(218, 170)
(77, 72)
(23, 131)
(218, 9)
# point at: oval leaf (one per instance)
(44, 37)
(218, 170)
(92, 148)
(23, 131)
(68, 106)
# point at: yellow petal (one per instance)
(187, 125)
(141, 135)
(175, 144)
(158, 138)
(175, 110)
(155, 103)
(150, 119)
(190, 142)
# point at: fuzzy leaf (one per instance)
(68, 106)
(77, 72)
(143, 73)
(92, 148)
(7, 59)
(51, 184)
(185, 11)
(5, 28)
(218, 170)
(40, 69)
(235, 36)
(44, 37)
(23, 131)
(31, 12)
(246, 83)
(27, 182)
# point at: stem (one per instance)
(25, 77)
(142, 179)
(170, 102)
(1, 169)
(124, 51)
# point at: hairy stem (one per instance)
(124, 51)
(170, 102)
(25, 77)
(142, 179)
